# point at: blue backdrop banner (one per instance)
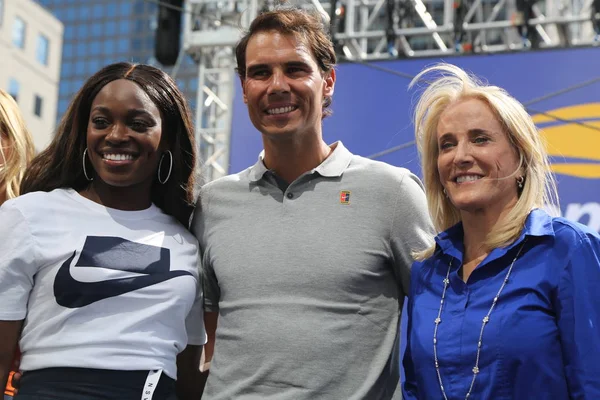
(372, 115)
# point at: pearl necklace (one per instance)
(484, 322)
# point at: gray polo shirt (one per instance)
(309, 281)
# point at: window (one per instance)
(70, 14)
(111, 10)
(37, 108)
(43, 46)
(94, 65)
(60, 13)
(110, 46)
(62, 106)
(138, 8)
(67, 50)
(95, 47)
(82, 31)
(18, 33)
(136, 44)
(63, 87)
(125, 8)
(85, 12)
(96, 29)
(78, 83)
(80, 68)
(69, 33)
(81, 49)
(123, 45)
(124, 27)
(66, 70)
(13, 88)
(111, 28)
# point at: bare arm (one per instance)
(191, 373)
(9, 337)
(210, 324)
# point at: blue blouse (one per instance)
(542, 340)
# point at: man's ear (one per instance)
(329, 79)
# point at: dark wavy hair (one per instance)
(60, 165)
(305, 26)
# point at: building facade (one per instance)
(101, 32)
(30, 59)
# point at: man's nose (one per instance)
(279, 82)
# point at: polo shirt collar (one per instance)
(538, 223)
(336, 163)
(259, 169)
(332, 166)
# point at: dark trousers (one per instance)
(90, 384)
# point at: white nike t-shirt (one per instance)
(98, 287)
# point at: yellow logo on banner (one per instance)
(566, 140)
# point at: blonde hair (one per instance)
(20, 142)
(449, 84)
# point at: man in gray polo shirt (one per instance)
(306, 255)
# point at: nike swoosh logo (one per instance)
(112, 253)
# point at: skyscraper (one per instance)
(30, 54)
(101, 32)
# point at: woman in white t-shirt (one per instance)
(16, 152)
(98, 273)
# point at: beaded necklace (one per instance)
(484, 322)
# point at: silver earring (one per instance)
(162, 182)
(520, 181)
(444, 191)
(84, 170)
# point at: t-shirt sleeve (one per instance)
(411, 227)
(210, 285)
(17, 263)
(194, 322)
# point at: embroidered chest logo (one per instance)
(345, 197)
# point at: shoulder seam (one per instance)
(572, 226)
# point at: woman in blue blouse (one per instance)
(505, 305)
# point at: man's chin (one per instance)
(279, 133)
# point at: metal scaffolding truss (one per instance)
(366, 30)
(211, 30)
(441, 27)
